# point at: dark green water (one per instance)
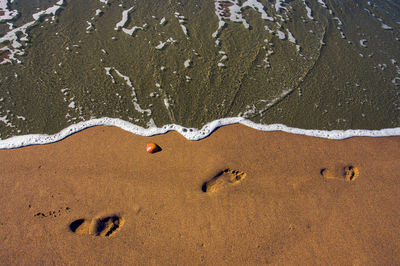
(345, 72)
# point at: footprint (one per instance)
(104, 226)
(348, 173)
(223, 179)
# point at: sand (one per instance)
(282, 199)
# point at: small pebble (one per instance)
(152, 147)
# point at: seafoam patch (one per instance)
(15, 38)
(6, 14)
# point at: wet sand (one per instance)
(97, 197)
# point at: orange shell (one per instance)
(151, 147)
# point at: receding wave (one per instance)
(315, 64)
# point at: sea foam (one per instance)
(188, 133)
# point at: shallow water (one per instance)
(306, 64)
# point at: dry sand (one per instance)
(151, 208)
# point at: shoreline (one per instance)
(286, 209)
(189, 133)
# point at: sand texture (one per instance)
(240, 196)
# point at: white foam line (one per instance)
(386, 27)
(8, 14)
(363, 43)
(49, 11)
(133, 29)
(188, 133)
(291, 37)
(129, 83)
(279, 6)
(187, 63)
(6, 121)
(181, 19)
(99, 12)
(309, 11)
(184, 29)
(259, 7)
(281, 35)
(163, 44)
(124, 19)
(322, 3)
(163, 21)
(234, 11)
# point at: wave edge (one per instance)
(189, 133)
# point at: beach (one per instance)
(97, 197)
(277, 125)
